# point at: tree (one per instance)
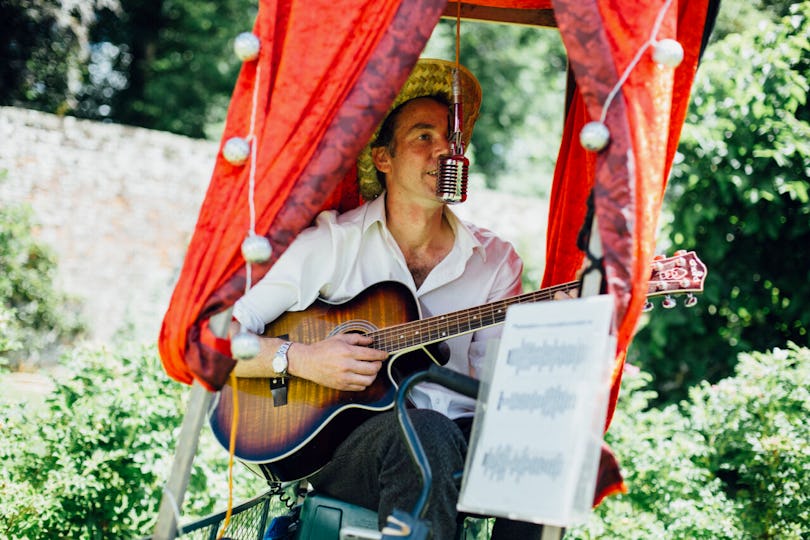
(165, 64)
(43, 46)
(159, 64)
(739, 196)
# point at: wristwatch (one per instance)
(280, 362)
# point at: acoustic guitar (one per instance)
(294, 440)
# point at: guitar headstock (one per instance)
(682, 273)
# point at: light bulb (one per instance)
(246, 46)
(256, 249)
(594, 136)
(236, 150)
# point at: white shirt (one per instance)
(342, 255)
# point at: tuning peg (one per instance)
(691, 300)
(668, 302)
(648, 306)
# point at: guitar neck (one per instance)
(457, 323)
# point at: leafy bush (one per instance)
(730, 462)
(91, 462)
(739, 196)
(33, 315)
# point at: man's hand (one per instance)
(342, 362)
(563, 295)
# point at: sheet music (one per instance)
(538, 429)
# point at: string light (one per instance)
(255, 248)
(668, 52)
(246, 46)
(595, 135)
(237, 150)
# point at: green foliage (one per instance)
(160, 64)
(91, 462)
(736, 16)
(40, 46)
(730, 462)
(165, 64)
(739, 197)
(756, 425)
(33, 315)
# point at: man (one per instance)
(407, 234)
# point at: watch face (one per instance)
(279, 364)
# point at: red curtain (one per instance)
(629, 176)
(324, 78)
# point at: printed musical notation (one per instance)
(550, 403)
(518, 464)
(546, 355)
(535, 442)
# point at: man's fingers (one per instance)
(361, 349)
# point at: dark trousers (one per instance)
(373, 468)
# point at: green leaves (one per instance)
(92, 461)
(33, 314)
(732, 461)
(739, 197)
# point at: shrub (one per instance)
(756, 427)
(729, 462)
(34, 316)
(91, 462)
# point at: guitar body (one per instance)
(294, 440)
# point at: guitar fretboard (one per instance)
(442, 327)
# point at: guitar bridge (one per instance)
(278, 388)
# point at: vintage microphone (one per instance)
(454, 167)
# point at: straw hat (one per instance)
(429, 77)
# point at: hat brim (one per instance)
(429, 77)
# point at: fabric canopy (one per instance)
(325, 76)
(323, 80)
(628, 178)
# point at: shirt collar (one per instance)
(465, 238)
(375, 212)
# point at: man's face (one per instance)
(420, 137)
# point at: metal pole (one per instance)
(199, 402)
(592, 281)
(175, 490)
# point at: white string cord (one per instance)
(636, 59)
(253, 141)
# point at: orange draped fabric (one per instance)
(323, 80)
(629, 176)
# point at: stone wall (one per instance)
(118, 205)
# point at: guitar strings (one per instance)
(429, 330)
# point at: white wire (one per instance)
(253, 142)
(636, 59)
